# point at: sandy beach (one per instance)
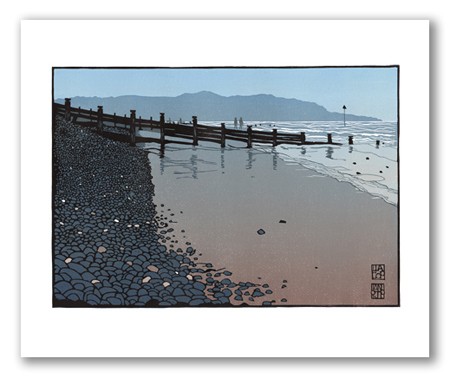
(310, 238)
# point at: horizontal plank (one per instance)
(183, 128)
(118, 119)
(82, 111)
(140, 139)
(86, 116)
(209, 127)
(147, 123)
(179, 135)
(262, 140)
(262, 133)
(238, 133)
(237, 139)
(209, 135)
(204, 139)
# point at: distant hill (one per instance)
(208, 106)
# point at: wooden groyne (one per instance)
(123, 128)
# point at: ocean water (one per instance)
(367, 166)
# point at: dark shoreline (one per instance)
(107, 249)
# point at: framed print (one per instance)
(247, 184)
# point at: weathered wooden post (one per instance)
(140, 123)
(115, 120)
(249, 136)
(274, 137)
(132, 127)
(377, 143)
(76, 114)
(162, 122)
(90, 115)
(302, 137)
(330, 138)
(350, 139)
(100, 119)
(222, 135)
(67, 109)
(194, 131)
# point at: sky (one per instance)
(363, 90)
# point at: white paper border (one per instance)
(262, 332)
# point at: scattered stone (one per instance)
(146, 279)
(261, 232)
(95, 282)
(166, 284)
(153, 268)
(283, 300)
(101, 249)
(282, 221)
(68, 260)
(257, 293)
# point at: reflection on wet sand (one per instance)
(329, 153)
(274, 159)
(250, 158)
(321, 247)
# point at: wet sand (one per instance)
(320, 235)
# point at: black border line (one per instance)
(53, 186)
(397, 66)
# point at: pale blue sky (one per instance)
(364, 91)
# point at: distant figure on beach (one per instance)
(235, 122)
(241, 123)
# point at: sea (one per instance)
(369, 166)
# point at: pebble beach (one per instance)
(112, 248)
